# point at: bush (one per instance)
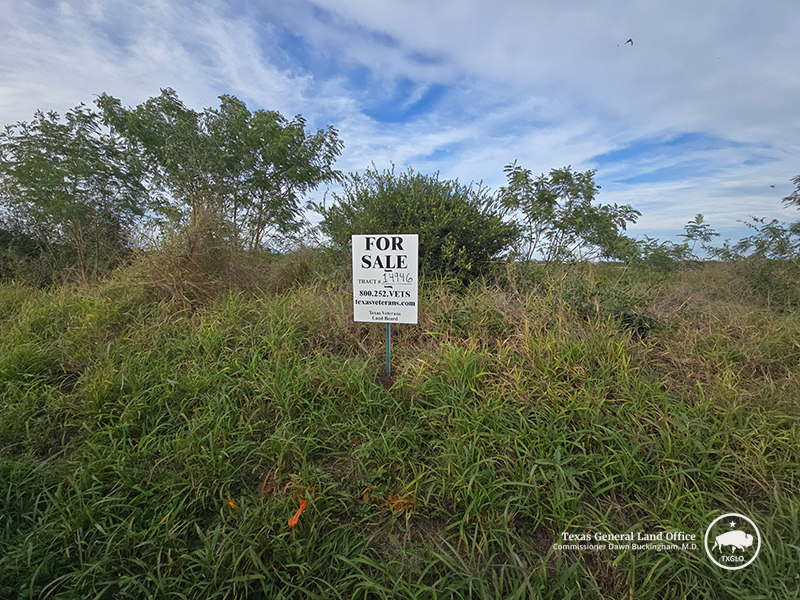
(769, 261)
(460, 227)
(71, 196)
(559, 221)
(662, 257)
(775, 280)
(199, 263)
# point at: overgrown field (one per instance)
(158, 450)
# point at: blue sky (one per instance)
(698, 115)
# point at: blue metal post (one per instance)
(388, 349)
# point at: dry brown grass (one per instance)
(200, 264)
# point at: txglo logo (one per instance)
(732, 541)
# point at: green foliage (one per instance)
(773, 266)
(249, 169)
(794, 197)
(559, 221)
(460, 227)
(155, 449)
(771, 240)
(698, 230)
(666, 257)
(69, 195)
(769, 261)
(662, 257)
(150, 451)
(19, 251)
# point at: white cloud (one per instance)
(547, 83)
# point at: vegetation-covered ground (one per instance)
(155, 449)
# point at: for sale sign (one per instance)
(385, 273)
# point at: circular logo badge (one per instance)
(732, 541)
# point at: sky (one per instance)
(697, 114)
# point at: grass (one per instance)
(157, 450)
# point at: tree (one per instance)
(70, 190)
(460, 227)
(698, 231)
(794, 197)
(771, 240)
(248, 169)
(662, 257)
(559, 221)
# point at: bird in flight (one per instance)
(630, 41)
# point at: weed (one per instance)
(152, 449)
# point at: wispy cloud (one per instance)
(697, 116)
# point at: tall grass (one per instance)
(155, 449)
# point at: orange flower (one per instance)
(294, 519)
(232, 503)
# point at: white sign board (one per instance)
(385, 274)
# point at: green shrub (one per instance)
(769, 261)
(777, 281)
(559, 221)
(460, 227)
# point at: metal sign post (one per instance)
(388, 349)
(385, 288)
